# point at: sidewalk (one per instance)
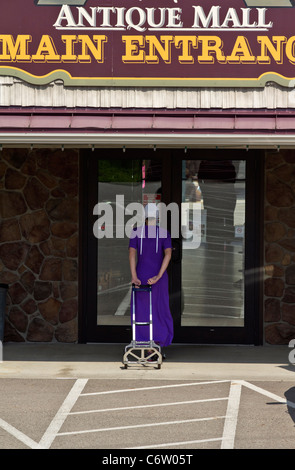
(184, 362)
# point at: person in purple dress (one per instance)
(150, 251)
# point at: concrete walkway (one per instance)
(189, 362)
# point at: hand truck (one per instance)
(142, 352)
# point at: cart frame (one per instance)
(142, 352)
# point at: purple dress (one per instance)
(150, 243)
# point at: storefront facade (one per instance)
(222, 156)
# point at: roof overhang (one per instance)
(146, 128)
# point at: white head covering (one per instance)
(150, 211)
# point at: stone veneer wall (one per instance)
(279, 283)
(39, 243)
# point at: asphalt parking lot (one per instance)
(147, 414)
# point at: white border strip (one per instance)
(167, 140)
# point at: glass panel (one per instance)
(120, 183)
(213, 262)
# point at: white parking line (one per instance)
(147, 406)
(136, 426)
(19, 435)
(174, 444)
(61, 415)
(158, 387)
(55, 424)
(231, 419)
(260, 390)
(169, 423)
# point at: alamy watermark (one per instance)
(112, 219)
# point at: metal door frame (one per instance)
(171, 180)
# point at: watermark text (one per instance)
(117, 220)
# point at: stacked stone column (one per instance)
(39, 243)
(279, 283)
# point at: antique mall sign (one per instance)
(149, 43)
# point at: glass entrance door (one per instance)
(117, 185)
(213, 250)
(215, 272)
(123, 186)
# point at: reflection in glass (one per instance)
(213, 270)
(120, 182)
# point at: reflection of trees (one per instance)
(119, 171)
